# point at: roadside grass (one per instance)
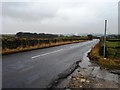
(112, 50)
(13, 44)
(38, 46)
(112, 44)
(108, 63)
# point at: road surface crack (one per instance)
(64, 75)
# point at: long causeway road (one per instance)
(37, 68)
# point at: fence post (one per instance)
(104, 51)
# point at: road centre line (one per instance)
(54, 51)
(46, 53)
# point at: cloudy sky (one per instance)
(60, 16)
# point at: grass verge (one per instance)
(107, 63)
(39, 46)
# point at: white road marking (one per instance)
(28, 68)
(75, 46)
(46, 53)
(57, 51)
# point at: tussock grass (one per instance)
(107, 63)
(38, 46)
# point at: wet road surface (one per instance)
(36, 69)
(88, 71)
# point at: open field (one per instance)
(112, 44)
(113, 49)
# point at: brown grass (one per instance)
(107, 63)
(39, 46)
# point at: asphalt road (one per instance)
(37, 68)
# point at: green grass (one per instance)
(112, 44)
(112, 51)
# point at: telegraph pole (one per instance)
(104, 50)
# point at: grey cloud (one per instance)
(60, 16)
(25, 11)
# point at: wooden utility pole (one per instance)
(104, 49)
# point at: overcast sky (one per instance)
(60, 16)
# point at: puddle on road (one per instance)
(94, 70)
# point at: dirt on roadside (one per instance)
(80, 81)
